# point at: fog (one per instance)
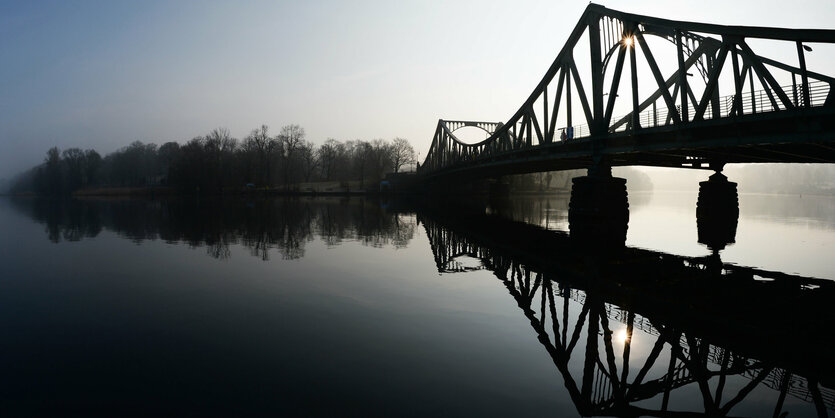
(752, 178)
(102, 75)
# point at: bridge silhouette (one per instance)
(743, 327)
(714, 97)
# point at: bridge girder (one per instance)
(681, 105)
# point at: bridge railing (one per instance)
(758, 102)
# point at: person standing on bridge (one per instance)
(562, 135)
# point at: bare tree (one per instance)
(291, 139)
(93, 164)
(327, 155)
(262, 146)
(361, 154)
(402, 154)
(380, 159)
(221, 139)
(74, 161)
(217, 150)
(308, 159)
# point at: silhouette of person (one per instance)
(562, 135)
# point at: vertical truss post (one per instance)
(560, 81)
(737, 103)
(716, 108)
(591, 350)
(633, 66)
(567, 98)
(682, 76)
(627, 347)
(668, 384)
(596, 126)
(751, 82)
(549, 135)
(803, 74)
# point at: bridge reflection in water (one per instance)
(638, 332)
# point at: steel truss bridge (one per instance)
(714, 97)
(728, 330)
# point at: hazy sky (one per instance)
(100, 74)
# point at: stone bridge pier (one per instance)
(717, 210)
(598, 212)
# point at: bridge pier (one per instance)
(498, 188)
(598, 213)
(458, 188)
(717, 211)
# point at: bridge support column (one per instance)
(717, 212)
(498, 188)
(598, 213)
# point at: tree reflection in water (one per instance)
(286, 225)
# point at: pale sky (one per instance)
(101, 74)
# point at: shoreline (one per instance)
(162, 192)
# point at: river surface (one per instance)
(368, 307)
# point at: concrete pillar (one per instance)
(598, 213)
(498, 188)
(717, 212)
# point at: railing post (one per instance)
(654, 114)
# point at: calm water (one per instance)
(365, 307)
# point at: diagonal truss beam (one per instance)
(675, 78)
(656, 73)
(713, 82)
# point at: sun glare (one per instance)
(620, 336)
(628, 41)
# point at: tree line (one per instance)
(217, 163)
(260, 225)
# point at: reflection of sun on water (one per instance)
(620, 336)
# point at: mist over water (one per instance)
(319, 306)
